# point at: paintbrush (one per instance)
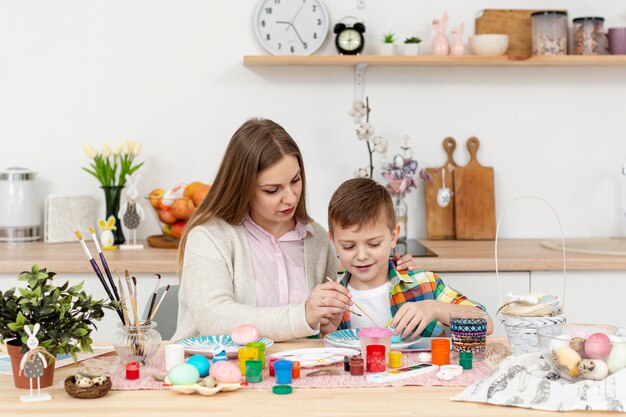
(104, 263)
(123, 301)
(154, 295)
(158, 305)
(360, 308)
(96, 269)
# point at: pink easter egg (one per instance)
(225, 372)
(244, 334)
(597, 346)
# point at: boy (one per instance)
(362, 226)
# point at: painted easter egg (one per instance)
(568, 359)
(597, 346)
(201, 363)
(617, 358)
(558, 342)
(595, 369)
(225, 372)
(244, 334)
(183, 374)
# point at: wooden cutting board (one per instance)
(515, 23)
(474, 205)
(440, 220)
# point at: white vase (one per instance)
(411, 49)
(388, 49)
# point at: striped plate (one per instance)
(207, 345)
(348, 339)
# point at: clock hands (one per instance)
(297, 13)
(298, 35)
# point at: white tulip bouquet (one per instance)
(110, 167)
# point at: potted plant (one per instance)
(412, 46)
(65, 314)
(389, 44)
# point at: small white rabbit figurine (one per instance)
(441, 44)
(106, 237)
(131, 211)
(33, 364)
(458, 48)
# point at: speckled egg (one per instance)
(183, 374)
(245, 333)
(568, 359)
(595, 369)
(225, 372)
(617, 358)
(83, 382)
(99, 380)
(597, 346)
(201, 363)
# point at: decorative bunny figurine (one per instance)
(441, 45)
(131, 211)
(33, 364)
(458, 48)
(106, 237)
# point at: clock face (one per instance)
(291, 27)
(349, 39)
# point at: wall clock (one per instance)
(291, 27)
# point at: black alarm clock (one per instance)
(349, 40)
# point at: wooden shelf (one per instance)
(435, 61)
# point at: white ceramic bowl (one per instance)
(488, 44)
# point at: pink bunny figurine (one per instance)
(458, 48)
(441, 45)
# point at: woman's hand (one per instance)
(326, 300)
(404, 262)
(330, 324)
(413, 317)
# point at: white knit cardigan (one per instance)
(218, 290)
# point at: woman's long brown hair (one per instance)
(255, 146)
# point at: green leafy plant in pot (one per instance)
(66, 316)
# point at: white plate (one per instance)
(348, 339)
(423, 345)
(309, 358)
(208, 345)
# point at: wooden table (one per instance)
(388, 401)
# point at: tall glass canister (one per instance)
(589, 36)
(549, 32)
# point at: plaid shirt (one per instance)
(415, 286)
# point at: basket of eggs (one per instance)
(172, 209)
(86, 386)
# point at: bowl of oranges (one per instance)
(172, 208)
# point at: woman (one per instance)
(251, 254)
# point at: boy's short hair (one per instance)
(358, 202)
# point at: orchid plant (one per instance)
(365, 131)
(109, 166)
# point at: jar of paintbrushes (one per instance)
(137, 343)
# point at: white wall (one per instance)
(169, 73)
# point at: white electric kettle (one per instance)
(20, 210)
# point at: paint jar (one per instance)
(440, 350)
(295, 371)
(357, 367)
(465, 360)
(375, 358)
(283, 372)
(260, 346)
(395, 359)
(271, 366)
(132, 370)
(253, 371)
(246, 354)
(374, 336)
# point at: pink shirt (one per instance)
(278, 264)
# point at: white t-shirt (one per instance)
(375, 301)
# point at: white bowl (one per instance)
(488, 44)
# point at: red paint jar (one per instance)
(271, 363)
(295, 371)
(356, 367)
(132, 370)
(375, 358)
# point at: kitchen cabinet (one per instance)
(590, 297)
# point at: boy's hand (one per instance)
(413, 317)
(325, 300)
(404, 262)
(330, 324)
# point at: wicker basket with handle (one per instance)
(522, 330)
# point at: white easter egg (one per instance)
(617, 358)
(558, 342)
(599, 372)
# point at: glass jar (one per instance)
(137, 343)
(401, 211)
(589, 36)
(549, 29)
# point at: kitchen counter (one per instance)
(453, 255)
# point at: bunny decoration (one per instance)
(33, 364)
(458, 48)
(106, 237)
(131, 211)
(441, 45)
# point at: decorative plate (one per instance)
(309, 358)
(208, 345)
(423, 345)
(348, 339)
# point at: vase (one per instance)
(137, 343)
(388, 49)
(401, 210)
(112, 197)
(411, 49)
(22, 381)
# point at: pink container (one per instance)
(374, 336)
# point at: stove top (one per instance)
(413, 247)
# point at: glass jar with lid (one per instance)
(589, 36)
(549, 28)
